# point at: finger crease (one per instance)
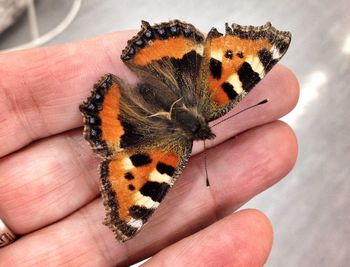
(81, 164)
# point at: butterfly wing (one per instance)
(143, 155)
(134, 183)
(235, 62)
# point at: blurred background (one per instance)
(310, 209)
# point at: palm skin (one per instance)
(49, 183)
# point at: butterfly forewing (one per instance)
(170, 53)
(235, 62)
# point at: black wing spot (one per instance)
(248, 76)
(229, 90)
(215, 67)
(128, 176)
(165, 168)
(140, 159)
(131, 187)
(229, 54)
(155, 190)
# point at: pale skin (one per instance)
(49, 181)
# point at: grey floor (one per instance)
(310, 210)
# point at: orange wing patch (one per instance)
(111, 127)
(175, 47)
(134, 183)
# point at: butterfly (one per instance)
(144, 132)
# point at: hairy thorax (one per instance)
(192, 123)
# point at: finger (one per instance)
(55, 178)
(41, 89)
(189, 207)
(72, 242)
(50, 178)
(241, 239)
(255, 160)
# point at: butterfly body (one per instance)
(145, 132)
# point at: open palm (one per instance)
(49, 181)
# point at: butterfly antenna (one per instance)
(239, 112)
(205, 164)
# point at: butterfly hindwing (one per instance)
(134, 183)
(235, 62)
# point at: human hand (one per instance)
(49, 185)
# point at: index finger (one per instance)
(41, 89)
